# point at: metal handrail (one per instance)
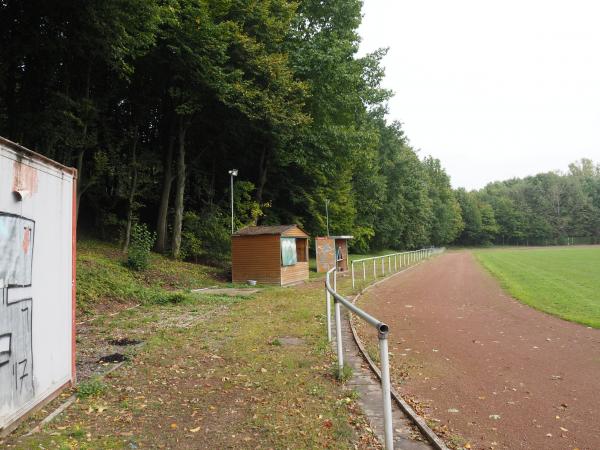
(406, 258)
(382, 331)
(401, 259)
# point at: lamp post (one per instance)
(233, 173)
(327, 214)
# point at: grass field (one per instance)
(560, 281)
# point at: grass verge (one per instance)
(560, 281)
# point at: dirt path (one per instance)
(495, 372)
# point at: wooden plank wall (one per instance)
(295, 273)
(256, 258)
(342, 265)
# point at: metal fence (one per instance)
(400, 260)
(395, 262)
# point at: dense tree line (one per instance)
(154, 101)
(545, 209)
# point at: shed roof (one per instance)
(336, 237)
(268, 229)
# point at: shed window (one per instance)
(288, 251)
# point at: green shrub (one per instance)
(205, 236)
(92, 387)
(142, 240)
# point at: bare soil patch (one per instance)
(487, 370)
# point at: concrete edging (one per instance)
(433, 438)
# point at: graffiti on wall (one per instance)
(325, 248)
(16, 308)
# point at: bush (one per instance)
(205, 236)
(142, 240)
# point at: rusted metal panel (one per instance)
(325, 252)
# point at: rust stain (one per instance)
(26, 240)
(25, 179)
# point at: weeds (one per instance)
(342, 374)
(91, 388)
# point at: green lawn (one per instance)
(560, 281)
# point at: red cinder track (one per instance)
(470, 347)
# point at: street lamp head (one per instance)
(233, 172)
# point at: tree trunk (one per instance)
(132, 190)
(163, 209)
(80, 188)
(180, 190)
(262, 174)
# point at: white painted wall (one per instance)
(51, 319)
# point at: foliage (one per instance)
(154, 102)
(101, 278)
(207, 236)
(91, 388)
(342, 374)
(142, 240)
(548, 208)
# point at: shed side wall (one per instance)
(256, 258)
(295, 273)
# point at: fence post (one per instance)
(335, 280)
(352, 264)
(338, 336)
(364, 272)
(383, 266)
(328, 305)
(374, 269)
(385, 388)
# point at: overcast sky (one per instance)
(493, 89)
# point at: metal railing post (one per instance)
(338, 336)
(386, 390)
(328, 306)
(382, 330)
(335, 280)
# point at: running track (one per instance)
(496, 372)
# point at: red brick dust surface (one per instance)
(493, 371)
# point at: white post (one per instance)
(338, 336)
(335, 281)
(374, 269)
(386, 393)
(352, 264)
(364, 272)
(328, 306)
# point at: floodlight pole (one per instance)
(327, 214)
(233, 173)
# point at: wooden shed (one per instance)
(332, 251)
(270, 255)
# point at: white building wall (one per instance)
(36, 280)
